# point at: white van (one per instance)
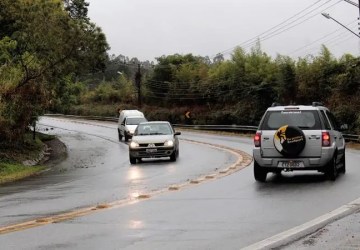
(128, 121)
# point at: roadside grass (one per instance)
(11, 158)
(353, 145)
(10, 172)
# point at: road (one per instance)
(98, 170)
(231, 212)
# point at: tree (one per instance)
(286, 85)
(77, 9)
(175, 78)
(41, 44)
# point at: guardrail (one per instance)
(247, 129)
(232, 128)
(352, 138)
(97, 118)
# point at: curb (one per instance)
(43, 156)
(298, 232)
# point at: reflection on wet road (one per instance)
(229, 213)
(97, 170)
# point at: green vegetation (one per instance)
(13, 172)
(11, 158)
(54, 59)
(233, 91)
(44, 45)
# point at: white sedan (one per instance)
(154, 139)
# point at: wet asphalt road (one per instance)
(229, 213)
(98, 170)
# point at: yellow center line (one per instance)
(243, 160)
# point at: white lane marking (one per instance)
(306, 228)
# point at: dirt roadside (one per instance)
(56, 152)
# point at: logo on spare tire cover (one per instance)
(289, 140)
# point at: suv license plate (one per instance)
(151, 150)
(291, 164)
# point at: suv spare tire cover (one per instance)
(289, 140)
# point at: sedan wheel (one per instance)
(120, 136)
(173, 156)
(132, 160)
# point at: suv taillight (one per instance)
(257, 139)
(325, 139)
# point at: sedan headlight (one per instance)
(169, 143)
(134, 144)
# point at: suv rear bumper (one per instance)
(309, 163)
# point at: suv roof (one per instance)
(297, 107)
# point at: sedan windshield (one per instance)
(153, 129)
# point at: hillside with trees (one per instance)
(44, 45)
(233, 91)
(54, 59)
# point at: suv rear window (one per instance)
(304, 119)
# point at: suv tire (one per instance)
(331, 171)
(259, 173)
(283, 143)
(343, 167)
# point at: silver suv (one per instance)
(298, 138)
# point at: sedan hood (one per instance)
(152, 138)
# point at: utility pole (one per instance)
(359, 17)
(138, 84)
(358, 6)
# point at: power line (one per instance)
(281, 25)
(280, 31)
(321, 38)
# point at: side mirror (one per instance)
(344, 127)
(177, 133)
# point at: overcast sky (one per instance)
(147, 29)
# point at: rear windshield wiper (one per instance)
(304, 127)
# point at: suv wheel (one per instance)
(331, 170)
(259, 173)
(343, 167)
(289, 140)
